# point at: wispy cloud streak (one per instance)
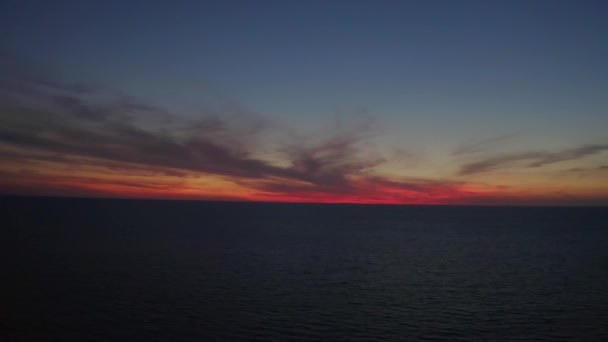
(532, 159)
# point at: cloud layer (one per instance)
(531, 159)
(44, 122)
(75, 140)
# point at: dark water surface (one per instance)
(110, 270)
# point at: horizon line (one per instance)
(241, 201)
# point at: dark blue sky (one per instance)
(295, 56)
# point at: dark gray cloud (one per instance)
(588, 169)
(84, 129)
(570, 154)
(329, 162)
(495, 162)
(49, 122)
(532, 159)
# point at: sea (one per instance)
(154, 270)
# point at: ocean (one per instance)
(146, 270)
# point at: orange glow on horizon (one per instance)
(378, 194)
(135, 181)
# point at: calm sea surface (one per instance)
(110, 270)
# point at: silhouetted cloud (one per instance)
(534, 159)
(496, 162)
(587, 169)
(49, 122)
(330, 161)
(571, 154)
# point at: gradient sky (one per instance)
(456, 102)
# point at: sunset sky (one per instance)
(414, 102)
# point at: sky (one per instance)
(403, 102)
